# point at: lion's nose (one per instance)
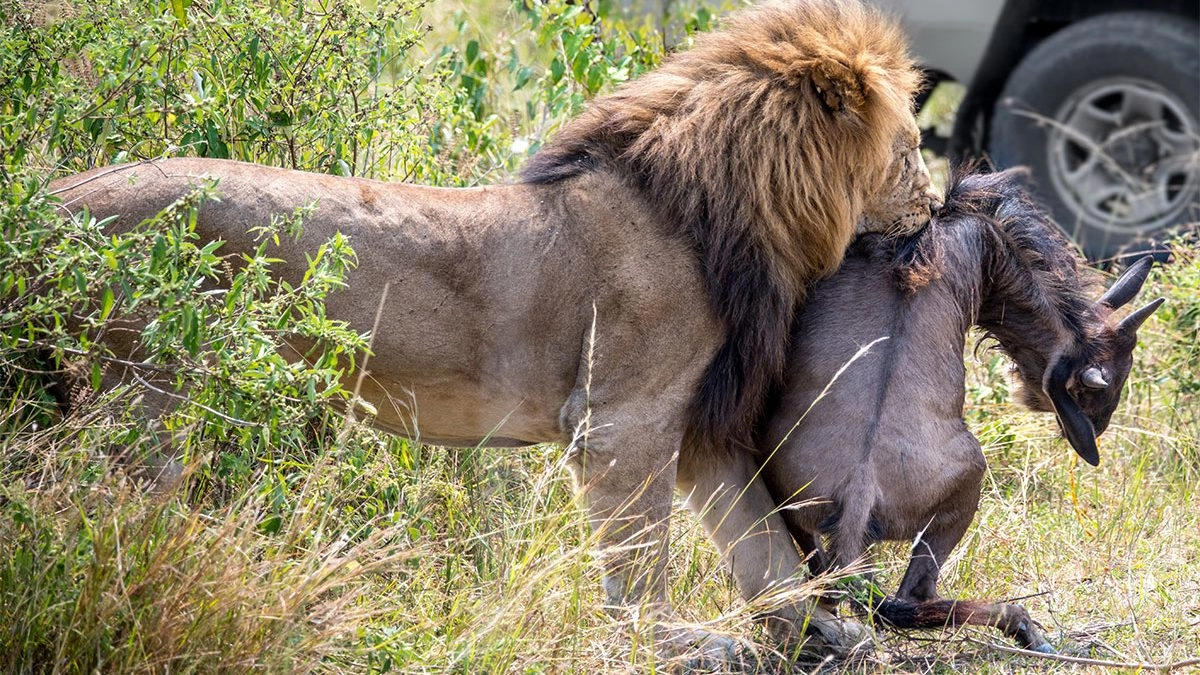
(936, 200)
(934, 197)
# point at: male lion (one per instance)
(633, 295)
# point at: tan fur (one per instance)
(638, 286)
(763, 143)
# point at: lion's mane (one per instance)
(760, 144)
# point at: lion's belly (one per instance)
(460, 413)
(459, 361)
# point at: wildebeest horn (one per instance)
(1134, 321)
(1093, 378)
(1075, 425)
(1128, 284)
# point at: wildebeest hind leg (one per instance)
(917, 604)
(1013, 620)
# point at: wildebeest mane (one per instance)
(1024, 255)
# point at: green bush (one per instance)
(331, 86)
(318, 86)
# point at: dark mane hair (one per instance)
(760, 146)
(1022, 250)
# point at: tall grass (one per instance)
(101, 577)
(394, 557)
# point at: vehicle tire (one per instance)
(1106, 114)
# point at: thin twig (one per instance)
(232, 420)
(1164, 667)
(103, 173)
(142, 365)
(1023, 598)
(362, 370)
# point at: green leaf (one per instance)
(179, 9)
(271, 524)
(191, 330)
(216, 146)
(158, 253)
(106, 303)
(523, 77)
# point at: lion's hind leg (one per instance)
(629, 510)
(629, 496)
(625, 464)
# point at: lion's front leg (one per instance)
(741, 517)
(628, 495)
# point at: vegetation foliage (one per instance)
(298, 539)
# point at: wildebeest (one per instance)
(884, 450)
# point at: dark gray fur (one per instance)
(886, 453)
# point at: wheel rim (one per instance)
(1123, 156)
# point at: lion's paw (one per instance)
(829, 636)
(692, 650)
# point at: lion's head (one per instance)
(906, 196)
(762, 145)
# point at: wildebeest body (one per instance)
(867, 441)
(895, 413)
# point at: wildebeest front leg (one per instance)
(917, 604)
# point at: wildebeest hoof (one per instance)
(1044, 648)
(1028, 633)
(1032, 639)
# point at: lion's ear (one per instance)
(838, 85)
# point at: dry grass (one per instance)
(102, 576)
(484, 563)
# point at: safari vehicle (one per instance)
(1100, 98)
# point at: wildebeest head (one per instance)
(1084, 388)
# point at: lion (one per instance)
(632, 295)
